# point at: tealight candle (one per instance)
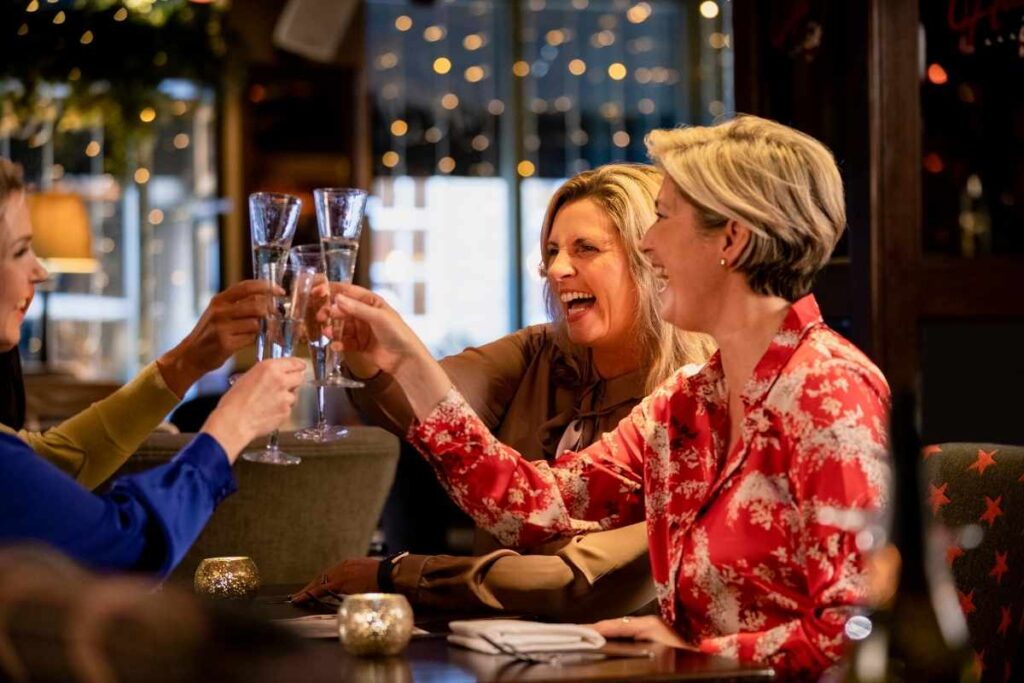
(233, 578)
(375, 623)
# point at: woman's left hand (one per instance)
(651, 628)
(228, 324)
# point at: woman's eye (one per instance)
(588, 248)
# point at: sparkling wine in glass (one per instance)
(311, 256)
(339, 217)
(272, 219)
(283, 325)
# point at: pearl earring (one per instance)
(721, 262)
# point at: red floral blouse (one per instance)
(754, 551)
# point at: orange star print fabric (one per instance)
(977, 491)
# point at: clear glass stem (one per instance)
(319, 355)
(272, 443)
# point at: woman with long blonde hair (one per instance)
(545, 389)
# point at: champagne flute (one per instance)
(311, 256)
(339, 217)
(283, 323)
(272, 219)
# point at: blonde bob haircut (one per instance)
(780, 183)
(626, 192)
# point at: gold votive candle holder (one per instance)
(230, 578)
(374, 624)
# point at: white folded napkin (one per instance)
(524, 636)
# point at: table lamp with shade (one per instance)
(62, 240)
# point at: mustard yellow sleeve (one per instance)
(587, 578)
(91, 445)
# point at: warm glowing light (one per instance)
(432, 134)
(617, 71)
(442, 65)
(403, 23)
(937, 75)
(645, 106)
(474, 41)
(59, 18)
(474, 74)
(179, 108)
(933, 163)
(621, 138)
(86, 38)
(580, 4)
(718, 40)
(92, 149)
(563, 103)
(638, 13)
(709, 9)
(390, 159)
(160, 58)
(496, 107)
(390, 91)
(521, 69)
(147, 115)
(32, 6)
(577, 67)
(525, 168)
(602, 39)
(539, 105)
(156, 216)
(386, 61)
(121, 14)
(74, 74)
(399, 128)
(450, 101)
(579, 137)
(432, 34)
(480, 143)
(141, 176)
(446, 165)
(555, 37)
(716, 107)
(610, 110)
(181, 141)
(23, 30)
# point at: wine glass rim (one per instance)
(274, 195)
(340, 190)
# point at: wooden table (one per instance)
(430, 658)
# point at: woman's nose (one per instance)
(560, 266)
(39, 273)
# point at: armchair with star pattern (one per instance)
(977, 491)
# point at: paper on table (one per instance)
(524, 636)
(323, 626)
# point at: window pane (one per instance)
(463, 115)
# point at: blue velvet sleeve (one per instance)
(147, 521)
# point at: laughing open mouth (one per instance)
(577, 303)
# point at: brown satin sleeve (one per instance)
(594, 576)
(487, 377)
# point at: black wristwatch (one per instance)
(385, 582)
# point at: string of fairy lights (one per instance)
(595, 75)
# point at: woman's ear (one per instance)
(737, 237)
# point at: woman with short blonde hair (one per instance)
(754, 475)
(795, 211)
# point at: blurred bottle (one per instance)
(919, 632)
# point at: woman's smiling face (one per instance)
(587, 269)
(20, 270)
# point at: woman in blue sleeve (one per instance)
(148, 520)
